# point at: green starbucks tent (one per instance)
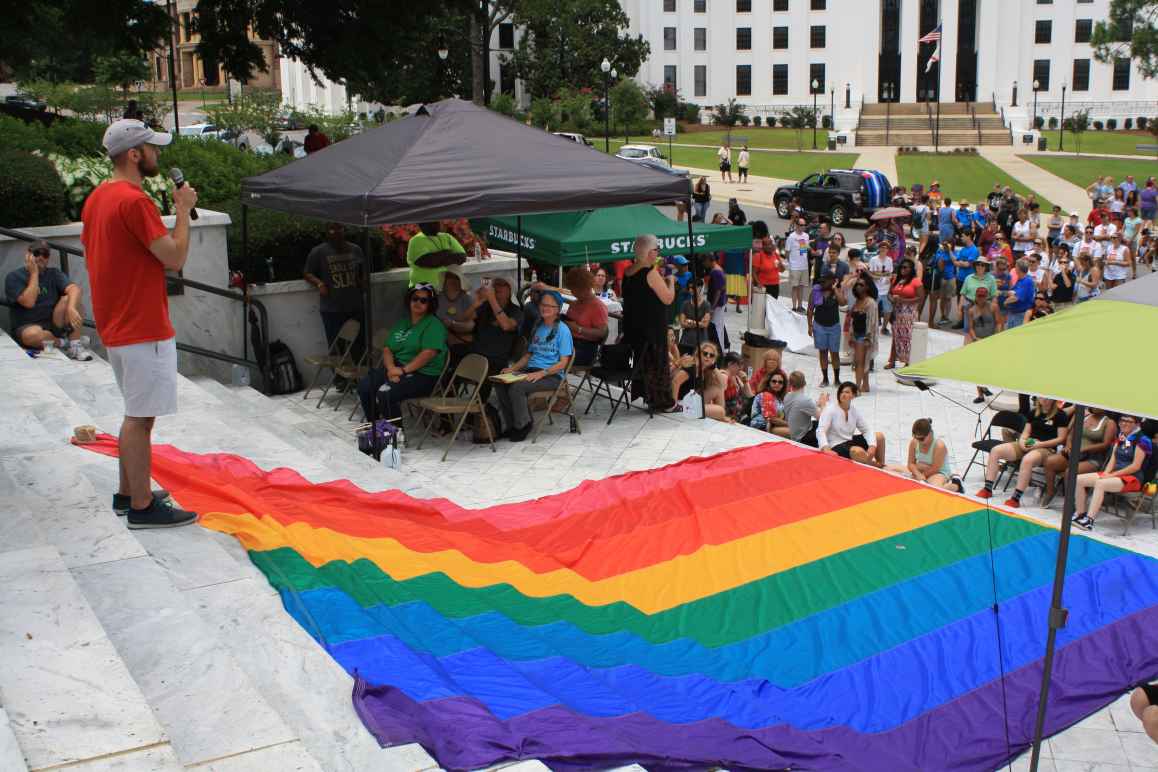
(601, 235)
(1094, 354)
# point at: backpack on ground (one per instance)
(283, 374)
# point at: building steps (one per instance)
(164, 649)
(905, 125)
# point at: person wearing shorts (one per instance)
(128, 249)
(1123, 473)
(824, 324)
(843, 431)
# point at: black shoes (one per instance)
(1085, 522)
(122, 503)
(520, 434)
(160, 514)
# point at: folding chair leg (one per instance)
(313, 382)
(424, 434)
(342, 396)
(454, 434)
(969, 466)
(325, 391)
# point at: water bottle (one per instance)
(49, 347)
(239, 375)
(477, 251)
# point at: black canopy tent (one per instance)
(453, 159)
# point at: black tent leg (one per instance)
(695, 306)
(1057, 614)
(245, 289)
(519, 257)
(368, 309)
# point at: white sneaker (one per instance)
(78, 351)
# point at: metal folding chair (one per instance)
(563, 389)
(353, 373)
(337, 356)
(470, 375)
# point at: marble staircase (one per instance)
(157, 650)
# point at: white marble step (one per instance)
(10, 756)
(67, 692)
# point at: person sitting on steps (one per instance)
(45, 305)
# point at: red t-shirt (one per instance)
(129, 301)
(766, 266)
(588, 313)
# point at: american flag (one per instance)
(934, 57)
(932, 37)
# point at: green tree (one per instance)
(800, 118)
(503, 103)
(628, 106)
(121, 70)
(255, 111)
(564, 41)
(576, 112)
(665, 102)
(727, 114)
(1077, 124)
(545, 114)
(93, 103)
(60, 40)
(1131, 30)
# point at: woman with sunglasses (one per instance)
(547, 357)
(1123, 472)
(928, 460)
(412, 360)
(712, 383)
(906, 293)
(768, 406)
(862, 329)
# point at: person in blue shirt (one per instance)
(1125, 471)
(944, 289)
(966, 256)
(946, 221)
(964, 217)
(542, 367)
(1020, 297)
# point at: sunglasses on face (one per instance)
(777, 380)
(708, 354)
(423, 299)
(40, 253)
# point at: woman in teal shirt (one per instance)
(413, 359)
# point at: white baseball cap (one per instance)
(128, 133)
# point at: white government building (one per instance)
(767, 53)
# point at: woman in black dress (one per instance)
(646, 297)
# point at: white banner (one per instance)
(787, 326)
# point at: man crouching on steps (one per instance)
(127, 250)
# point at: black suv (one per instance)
(839, 194)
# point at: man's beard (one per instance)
(147, 167)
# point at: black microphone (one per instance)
(178, 178)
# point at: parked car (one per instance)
(24, 101)
(573, 137)
(638, 153)
(207, 131)
(839, 194)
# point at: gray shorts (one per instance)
(147, 376)
(797, 278)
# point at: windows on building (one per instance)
(669, 38)
(669, 6)
(819, 5)
(700, 38)
(779, 37)
(1041, 74)
(700, 6)
(779, 5)
(743, 80)
(1121, 74)
(743, 6)
(779, 79)
(816, 73)
(507, 35)
(701, 80)
(743, 38)
(669, 77)
(1081, 80)
(1043, 31)
(816, 36)
(507, 78)
(1083, 28)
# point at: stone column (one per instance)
(910, 25)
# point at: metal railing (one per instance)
(888, 120)
(65, 250)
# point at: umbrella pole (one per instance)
(246, 282)
(519, 256)
(695, 307)
(368, 310)
(1057, 614)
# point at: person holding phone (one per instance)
(45, 305)
(1043, 435)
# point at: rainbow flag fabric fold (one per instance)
(765, 608)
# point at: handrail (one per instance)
(888, 120)
(263, 315)
(929, 115)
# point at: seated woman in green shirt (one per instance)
(413, 359)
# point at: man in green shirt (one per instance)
(430, 253)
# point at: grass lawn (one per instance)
(779, 139)
(961, 176)
(1081, 171)
(1113, 142)
(787, 166)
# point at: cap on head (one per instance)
(128, 133)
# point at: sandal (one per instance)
(674, 409)
(890, 365)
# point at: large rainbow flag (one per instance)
(766, 608)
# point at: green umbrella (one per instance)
(602, 235)
(1095, 354)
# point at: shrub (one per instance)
(1053, 122)
(1129, 124)
(81, 176)
(1111, 123)
(689, 112)
(65, 135)
(1142, 121)
(1038, 122)
(1098, 125)
(757, 120)
(744, 120)
(31, 192)
(503, 103)
(216, 169)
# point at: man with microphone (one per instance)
(128, 249)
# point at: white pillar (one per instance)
(948, 89)
(910, 24)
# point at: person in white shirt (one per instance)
(1088, 245)
(843, 430)
(796, 247)
(1104, 232)
(1119, 262)
(725, 156)
(1022, 240)
(742, 162)
(881, 268)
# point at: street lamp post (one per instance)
(815, 86)
(443, 52)
(1014, 104)
(832, 108)
(1061, 127)
(1036, 86)
(847, 95)
(605, 66)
